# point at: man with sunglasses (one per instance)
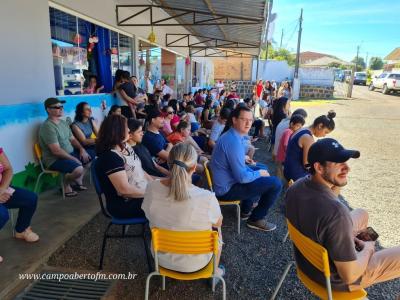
(61, 151)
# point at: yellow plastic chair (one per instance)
(223, 202)
(185, 242)
(318, 257)
(38, 154)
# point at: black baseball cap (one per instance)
(330, 150)
(51, 101)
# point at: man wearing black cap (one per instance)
(313, 207)
(61, 151)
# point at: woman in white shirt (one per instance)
(176, 204)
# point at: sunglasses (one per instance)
(56, 107)
(170, 112)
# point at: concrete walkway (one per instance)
(55, 221)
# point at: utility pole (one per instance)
(296, 81)
(358, 50)
(296, 69)
(264, 40)
(366, 61)
(280, 45)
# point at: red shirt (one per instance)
(175, 138)
(259, 89)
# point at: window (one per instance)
(395, 76)
(81, 49)
(125, 53)
(114, 52)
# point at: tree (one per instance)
(376, 63)
(360, 63)
(334, 65)
(279, 54)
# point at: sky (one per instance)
(336, 27)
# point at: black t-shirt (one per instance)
(147, 162)
(108, 163)
(318, 214)
(129, 88)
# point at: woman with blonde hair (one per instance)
(174, 203)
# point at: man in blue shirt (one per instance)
(233, 180)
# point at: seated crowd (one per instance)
(150, 152)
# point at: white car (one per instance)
(387, 82)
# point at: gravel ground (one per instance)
(254, 261)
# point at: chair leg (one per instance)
(12, 221)
(103, 246)
(238, 218)
(163, 283)
(281, 280)
(223, 285)
(62, 186)
(285, 237)
(146, 248)
(123, 230)
(37, 182)
(146, 293)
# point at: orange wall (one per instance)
(232, 69)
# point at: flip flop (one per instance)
(70, 194)
(79, 188)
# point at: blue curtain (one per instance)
(104, 59)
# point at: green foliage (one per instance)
(279, 54)
(334, 65)
(27, 179)
(376, 63)
(360, 63)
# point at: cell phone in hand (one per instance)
(368, 235)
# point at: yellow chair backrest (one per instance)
(185, 242)
(208, 176)
(38, 151)
(312, 251)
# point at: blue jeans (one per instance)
(26, 202)
(258, 166)
(267, 189)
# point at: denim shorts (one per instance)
(65, 165)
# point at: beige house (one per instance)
(393, 57)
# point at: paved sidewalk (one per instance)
(55, 221)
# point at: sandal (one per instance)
(79, 187)
(70, 194)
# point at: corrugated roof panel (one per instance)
(240, 8)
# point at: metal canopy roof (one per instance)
(239, 21)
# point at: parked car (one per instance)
(388, 82)
(360, 78)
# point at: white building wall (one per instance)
(25, 54)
